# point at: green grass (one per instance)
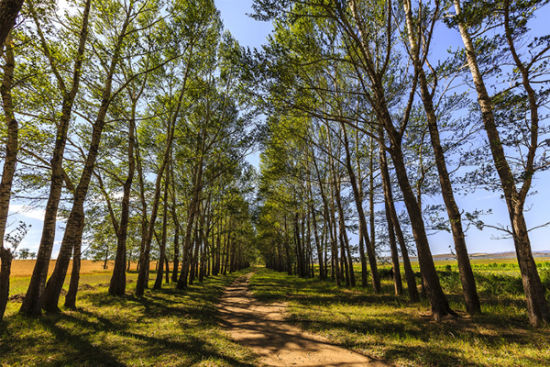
(164, 328)
(389, 328)
(181, 328)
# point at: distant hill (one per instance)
(496, 255)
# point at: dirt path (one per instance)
(262, 328)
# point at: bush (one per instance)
(499, 285)
(545, 277)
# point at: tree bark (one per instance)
(175, 219)
(371, 255)
(397, 284)
(465, 269)
(364, 269)
(191, 213)
(70, 298)
(32, 303)
(537, 306)
(346, 253)
(6, 258)
(9, 9)
(438, 300)
(176, 247)
(326, 215)
(312, 214)
(162, 257)
(8, 172)
(388, 198)
(117, 286)
(75, 223)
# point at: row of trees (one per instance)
(360, 111)
(124, 119)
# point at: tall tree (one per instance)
(416, 29)
(514, 195)
(32, 303)
(8, 171)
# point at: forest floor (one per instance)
(166, 327)
(389, 328)
(261, 327)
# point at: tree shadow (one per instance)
(320, 306)
(166, 324)
(95, 356)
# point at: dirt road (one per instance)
(262, 327)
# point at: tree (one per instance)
(8, 171)
(365, 34)
(514, 23)
(24, 254)
(419, 58)
(32, 303)
(9, 9)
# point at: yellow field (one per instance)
(24, 268)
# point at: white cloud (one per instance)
(27, 211)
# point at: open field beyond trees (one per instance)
(23, 268)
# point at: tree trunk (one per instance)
(364, 269)
(176, 230)
(5, 269)
(371, 202)
(465, 269)
(167, 270)
(334, 249)
(75, 222)
(438, 300)
(9, 9)
(176, 253)
(70, 298)
(326, 211)
(117, 286)
(362, 221)
(317, 240)
(32, 302)
(388, 196)
(346, 253)
(8, 171)
(537, 306)
(193, 208)
(162, 257)
(398, 286)
(143, 276)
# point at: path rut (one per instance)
(262, 327)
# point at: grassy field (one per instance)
(164, 328)
(175, 328)
(391, 329)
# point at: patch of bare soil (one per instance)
(262, 327)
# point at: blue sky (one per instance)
(245, 29)
(253, 33)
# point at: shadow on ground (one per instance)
(166, 327)
(390, 328)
